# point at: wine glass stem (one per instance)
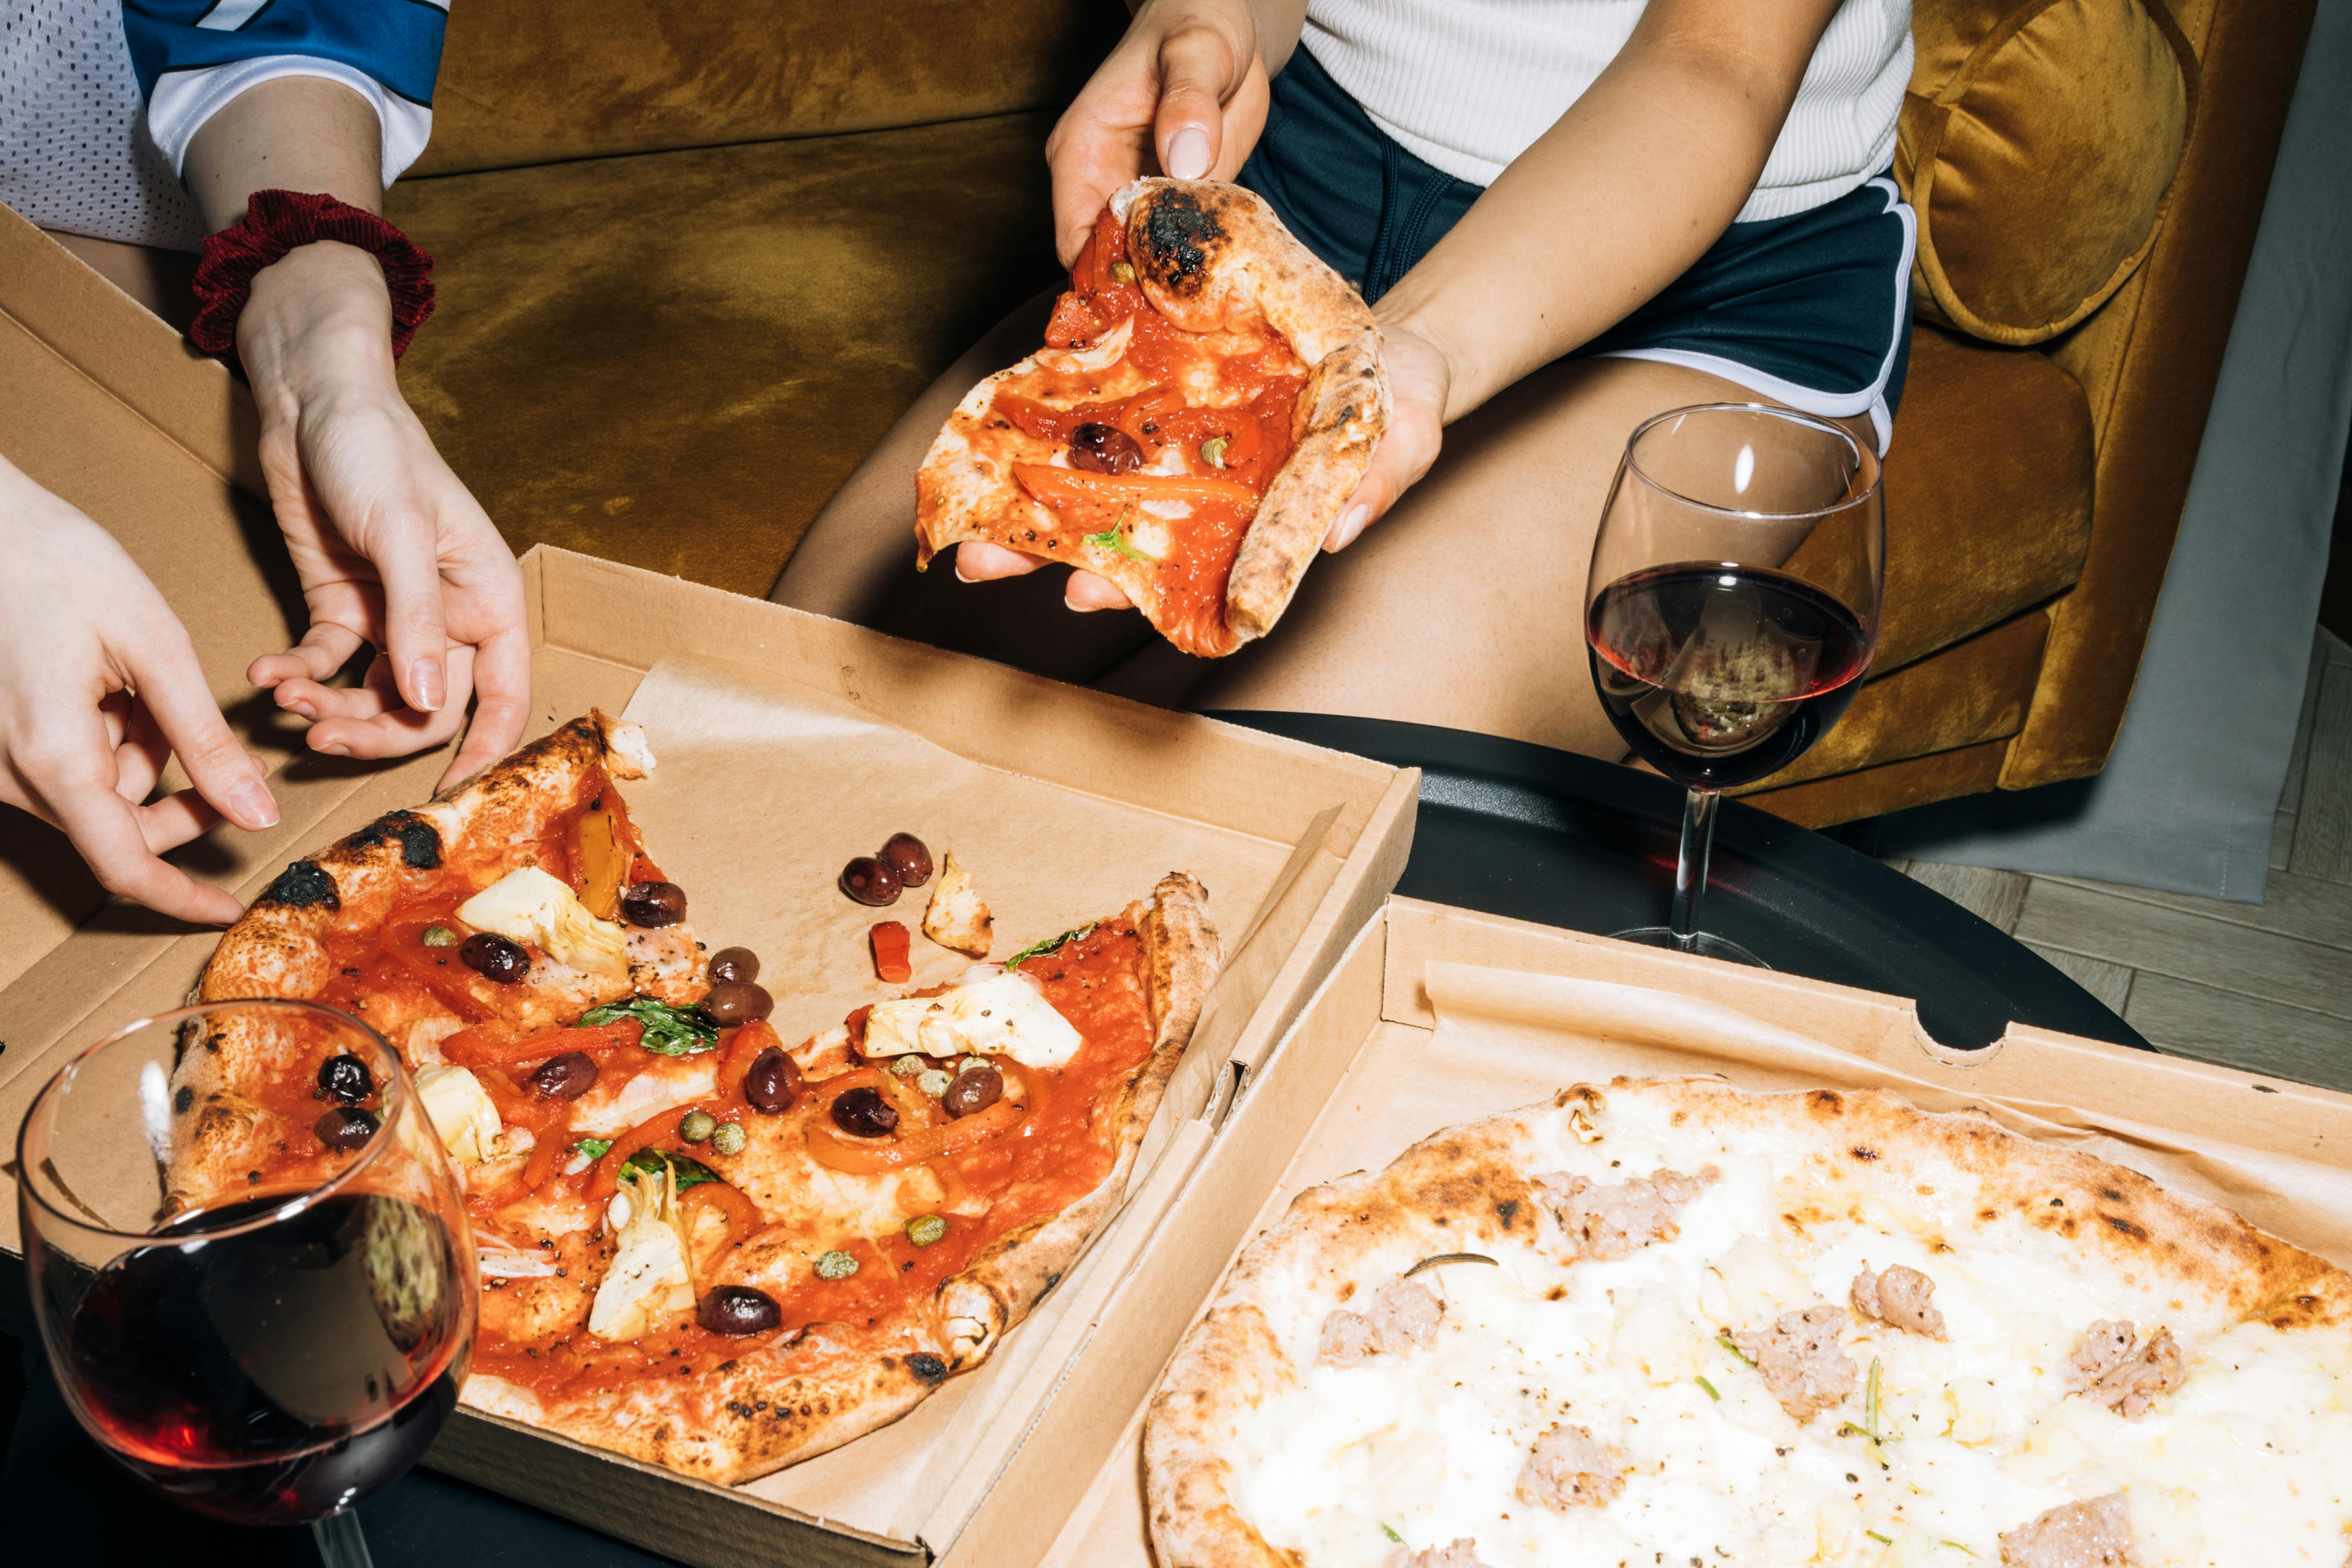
(341, 1542)
(1690, 866)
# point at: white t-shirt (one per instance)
(1469, 85)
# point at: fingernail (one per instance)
(959, 571)
(333, 749)
(424, 680)
(1187, 154)
(1351, 525)
(250, 804)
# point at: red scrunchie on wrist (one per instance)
(276, 222)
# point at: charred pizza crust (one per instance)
(770, 1407)
(815, 1391)
(1473, 1186)
(278, 948)
(1210, 256)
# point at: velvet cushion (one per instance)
(1987, 492)
(2038, 144)
(524, 82)
(674, 360)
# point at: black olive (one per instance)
(865, 1113)
(909, 856)
(733, 1002)
(734, 963)
(871, 881)
(738, 1309)
(1104, 449)
(345, 1128)
(487, 954)
(345, 1078)
(974, 1089)
(773, 1081)
(653, 904)
(567, 1077)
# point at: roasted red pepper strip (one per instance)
(891, 944)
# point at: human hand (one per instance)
(1185, 91)
(1421, 379)
(99, 687)
(390, 548)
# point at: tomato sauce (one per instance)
(1038, 1166)
(1258, 380)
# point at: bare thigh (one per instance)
(856, 563)
(1464, 606)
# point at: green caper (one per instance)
(925, 1229)
(933, 1082)
(697, 1126)
(728, 1138)
(907, 1066)
(1122, 272)
(439, 936)
(1212, 451)
(836, 1266)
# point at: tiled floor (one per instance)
(2264, 986)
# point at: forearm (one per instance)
(324, 311)
(1631, 186)
(294, 133)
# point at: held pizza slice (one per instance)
(699, 1247)
(1208, 398)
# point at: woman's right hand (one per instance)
(1184, 94)
(99, 687)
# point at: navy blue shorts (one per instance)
(1812, 311)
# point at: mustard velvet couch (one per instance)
(696, 255)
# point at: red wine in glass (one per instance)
(266, 1329)
(1719, 674)
(276, 1375)
(1730, 609)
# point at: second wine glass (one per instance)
(1732, 606)
(261, 1301)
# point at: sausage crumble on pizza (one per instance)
(701, 1247)
(1666, 1320)
(1208, 397)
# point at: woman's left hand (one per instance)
(1420, 379)
(390, 548)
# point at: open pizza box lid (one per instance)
(1436, 1016)
(785, 744)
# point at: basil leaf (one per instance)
(649, 1161)
(669, 1031)
(1051, 944)
(594, 1148)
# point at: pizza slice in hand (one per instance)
(1207, 400)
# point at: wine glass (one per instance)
(267, 1337)
(1731, 609)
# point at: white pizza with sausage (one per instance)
(1668, 1322)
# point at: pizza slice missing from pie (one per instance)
(1208, 398)
(701, 1244)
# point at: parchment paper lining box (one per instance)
(787, 744)
(1436, 1015)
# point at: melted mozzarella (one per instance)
(2249, 1463)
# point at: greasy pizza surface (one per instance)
(1208, 395)
(1666, 1321)
(699, 1246)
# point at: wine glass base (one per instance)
(1703, 944)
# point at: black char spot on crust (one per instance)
(1180, 238)
(420, 841)
(301, 885)
(928, 1368)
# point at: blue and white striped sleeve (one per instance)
(193, 56)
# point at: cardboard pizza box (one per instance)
(787, 743)
(1437, 1016)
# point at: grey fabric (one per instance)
(2187, 801)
